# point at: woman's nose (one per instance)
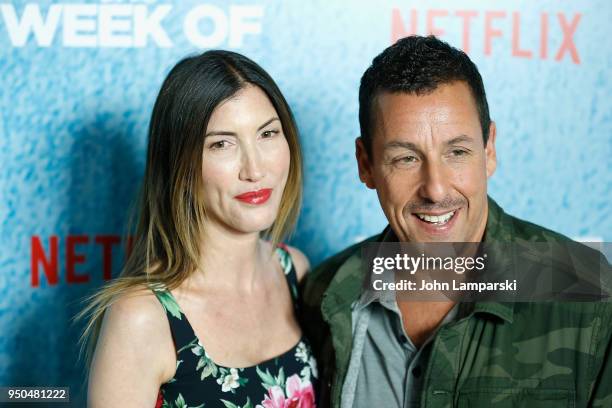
(252, 166)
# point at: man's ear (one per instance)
(491, 155)
(364, 164)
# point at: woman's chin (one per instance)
(252, 226)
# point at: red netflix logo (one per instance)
(48, 261)
(402, 27)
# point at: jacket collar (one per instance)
(347, 285)
(502, 310)
(345, 288)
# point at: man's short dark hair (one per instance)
(418, 65)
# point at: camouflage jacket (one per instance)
(536, 355)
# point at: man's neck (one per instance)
(421, 319)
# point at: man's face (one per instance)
(429, 164)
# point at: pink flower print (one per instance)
(274, 399)
(299, 393)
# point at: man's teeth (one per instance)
(436, 219)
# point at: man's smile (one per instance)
(440, 219)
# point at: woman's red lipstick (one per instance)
(255, 197)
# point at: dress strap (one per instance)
(183, 336)
(290, 273)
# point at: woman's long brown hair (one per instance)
(166, 242)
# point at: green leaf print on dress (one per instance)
(285, 260)
(268, 380)
(286, 264)
(205, 362)
(180, 403)
(228, 404)
(167, 300)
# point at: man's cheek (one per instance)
(395, 196)
(472, 181)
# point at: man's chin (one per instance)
(434, 239)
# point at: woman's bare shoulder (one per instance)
(134, 353)
(137, 309)
(134, 332)
(136, 323)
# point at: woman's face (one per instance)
(245, 163)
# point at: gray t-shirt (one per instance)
(385, 369)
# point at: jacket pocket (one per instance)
(516, 398)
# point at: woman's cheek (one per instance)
(281, 156)
(220, 162)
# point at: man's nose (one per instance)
(434, 185)
(251, 167)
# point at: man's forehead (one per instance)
(454, 98)
(448, 109)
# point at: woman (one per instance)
(203, 313)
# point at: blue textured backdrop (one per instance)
(75, 113)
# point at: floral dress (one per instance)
(286, 381)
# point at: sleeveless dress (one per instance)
(286, 381)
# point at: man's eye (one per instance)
(458, 152)
(405, 159)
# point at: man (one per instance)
(427, 146)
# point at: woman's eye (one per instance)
(218, 145)
(269, 133)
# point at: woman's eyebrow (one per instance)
(220, 133)
(267, 123)
(228, 133)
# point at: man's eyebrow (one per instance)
(401, 145)
(398, 144)
(459, 139)
(227, 133)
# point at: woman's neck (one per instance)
(233, 261)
